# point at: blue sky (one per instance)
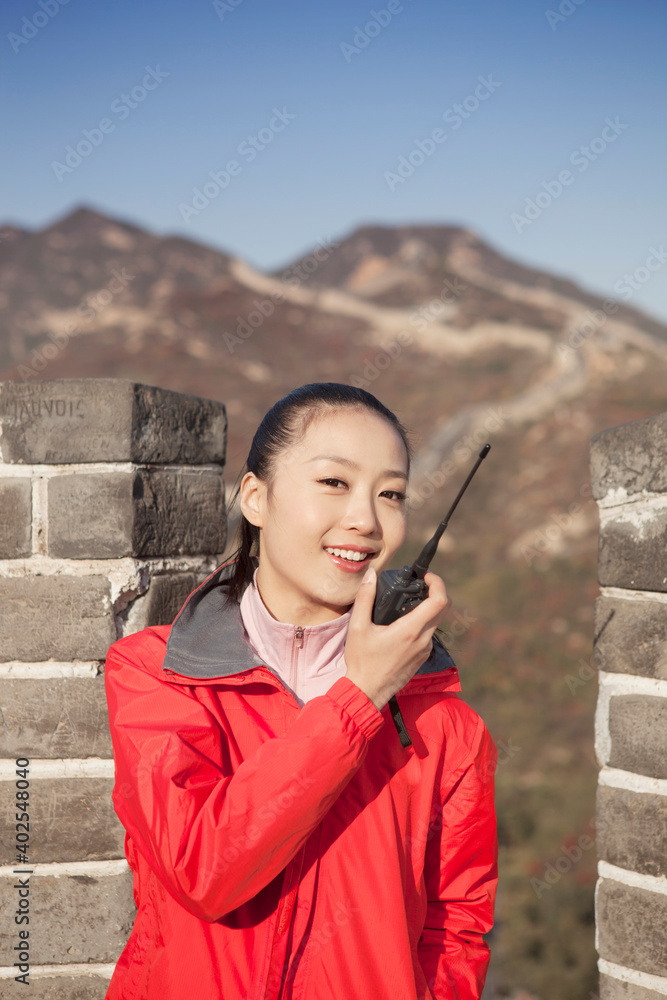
(318, 104)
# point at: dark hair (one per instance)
(284, 425)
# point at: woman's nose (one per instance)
(361, 515)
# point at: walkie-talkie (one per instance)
(400, 590)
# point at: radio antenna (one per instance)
(423, 560)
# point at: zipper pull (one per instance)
(298, 635)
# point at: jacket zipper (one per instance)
(298, 643)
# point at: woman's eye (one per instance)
(397, 495)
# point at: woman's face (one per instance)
(342, 486)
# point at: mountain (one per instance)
(404, 265)
(466, 346)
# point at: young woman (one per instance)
(283, 842)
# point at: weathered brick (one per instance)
(91, 516)
(631, 830)
(80, 918)
(108, 420)
(55, 717)
(141, 513)
(631, 927)
(57, 987)
(614, 989)
(15, 518)
(631, 636)
(638, 730)
(71, 819)
(161, 603)
(634, 559)
(55, 617)
(630, 457)
(179, 514)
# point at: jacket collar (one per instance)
(208, 639)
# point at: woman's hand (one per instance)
(381, 659)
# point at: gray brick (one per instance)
(143, 513)
(614, 989)
(630, 457)
(15, 518)
(108, 420)
(631, 637)
(179, 514)
(161, 603)
(55, 617)
(638, 729)
(53, 987)
(631, 927)
(629, 559)
(58, 717)
(90, 516)
(80, 918)
(631, 830)
(71, 819)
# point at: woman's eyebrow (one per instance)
(354, 465)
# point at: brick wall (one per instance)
(111, 512)
(629, 476)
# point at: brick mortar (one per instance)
(614, 777)
(621, 498)
(636, 880)
(633, 595)
(40, 517)
(46, 670)
(627, 594)
(125, 575)
(634, 977)
(58, 971)
(618, 684)
(99, 869)
(60, 767)
(26, 471)
(636, 514)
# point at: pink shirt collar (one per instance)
(309, 659)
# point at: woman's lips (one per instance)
(347, 565)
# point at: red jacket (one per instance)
(286, 852)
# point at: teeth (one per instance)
(349, 554)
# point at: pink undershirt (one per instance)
(307, 671)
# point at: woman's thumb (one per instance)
(363, 602)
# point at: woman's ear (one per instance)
(252, 494)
